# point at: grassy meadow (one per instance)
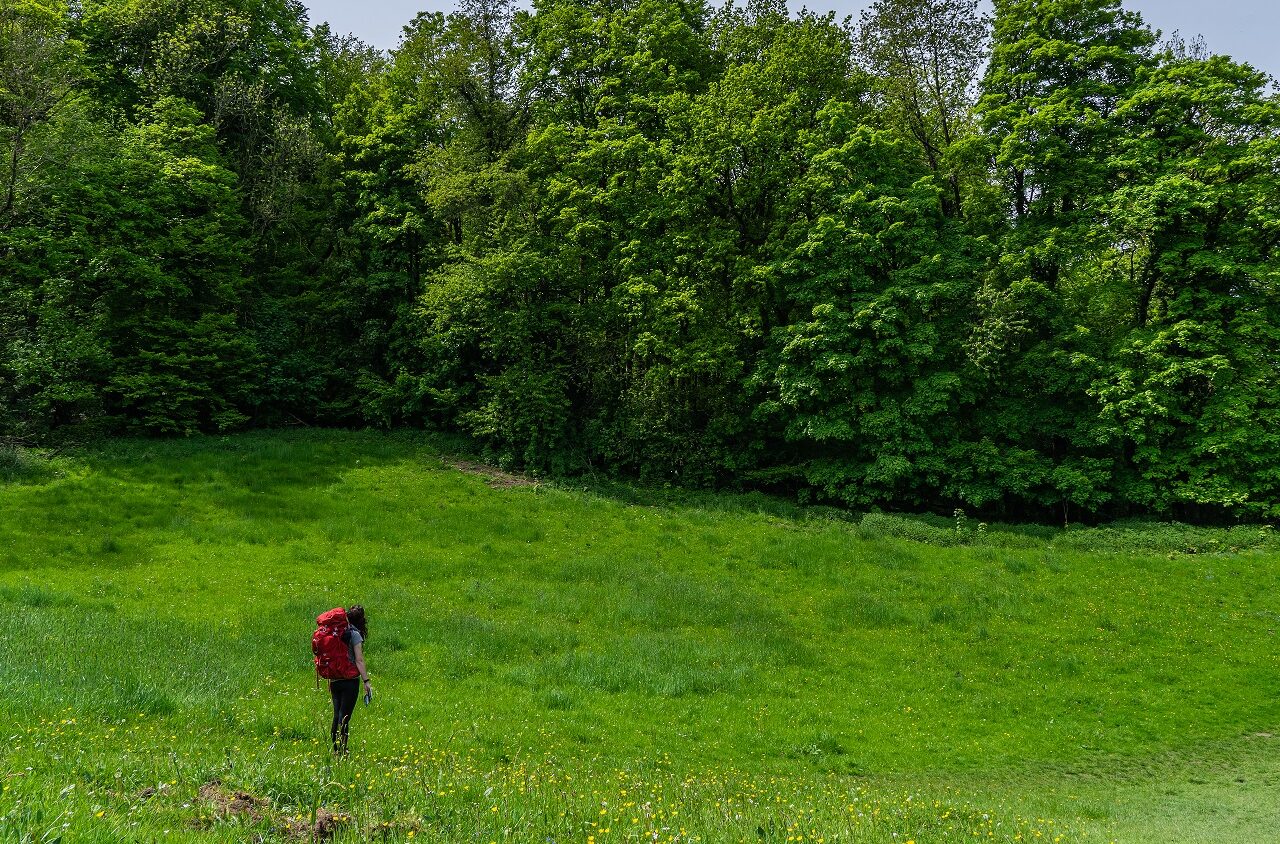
(607, 664)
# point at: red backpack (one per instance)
(333, 660)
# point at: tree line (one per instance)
(1024, 264)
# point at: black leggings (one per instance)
(344, 693)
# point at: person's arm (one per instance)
(364, 672)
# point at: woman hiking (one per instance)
(338, 645)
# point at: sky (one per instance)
(1244, 29)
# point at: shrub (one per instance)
(877, 525)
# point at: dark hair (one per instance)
(355, 615)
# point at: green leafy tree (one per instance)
(1058, 71)
(394, 230)
(1196, 218)
(123, 288)
(39, 70)
(49, 350)
(170, 266)
(544, 227)
(926, 57)
(697, 303)
(867, 377)
(142, 51)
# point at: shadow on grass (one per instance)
(115, 501)
(264, 462)
(1130, 536)
(278, 478)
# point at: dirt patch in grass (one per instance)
(220, 804)
(325, 827)
(228, 804)
(495, 477)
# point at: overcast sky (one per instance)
(1245, 29)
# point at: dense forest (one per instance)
(1023, 264)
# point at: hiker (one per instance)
(338, 645)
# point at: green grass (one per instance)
(742, 669)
